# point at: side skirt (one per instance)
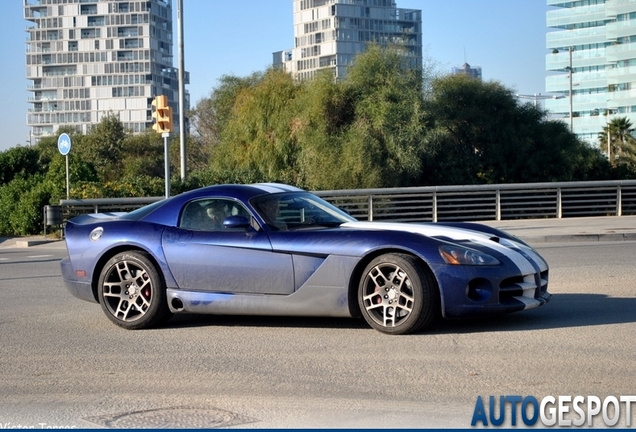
(307, 301)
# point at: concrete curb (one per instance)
(30, 243)
(564, 238)
(27, 242)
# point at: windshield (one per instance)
(298, 210)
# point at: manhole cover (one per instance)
(172, 418)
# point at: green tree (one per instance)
(383, 142)
(622, 148)
(18, 161)
(143, 154)
(366, 130)
(481, 134)
(23, 201)
(257, 137)
(211, 115)
(103, 146)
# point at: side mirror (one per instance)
(236, 222)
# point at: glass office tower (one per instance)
(90, 58)
(592, 63)
(330, 33)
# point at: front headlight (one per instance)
(458, 255)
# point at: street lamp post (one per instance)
(609, 135)
(182, 131)
(570, 76)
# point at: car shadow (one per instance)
(196, 320)
(563, 311)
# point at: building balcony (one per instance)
(34, 99)
(560, 83)
(560, 18)
(125, 56)
(96, 21)
(618, 52)
(563, 39)
(619, 29)
(88, 9)
(620, 75)
(613, 8)
(131, 44)
(35, 12)
(580, 58)
(624, 98)
(90, 33)
(123, 32)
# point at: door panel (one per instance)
(227, 261)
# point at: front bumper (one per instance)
(475, 291)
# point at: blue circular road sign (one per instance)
(64, 144)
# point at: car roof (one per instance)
(240, 191)
(168, 212)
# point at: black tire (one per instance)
(398, 295)
(132, 293)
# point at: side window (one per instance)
(193, 217)
(208, 214)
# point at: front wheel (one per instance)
(132, 292)
(396, 295)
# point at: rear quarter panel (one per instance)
(119, 235)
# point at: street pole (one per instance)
(182, 131)
(571, 117)
(68, 184)
(166, 147)
(609, 144)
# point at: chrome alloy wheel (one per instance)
(398, 294)
(127, 291)
(388, 294)
(132, 292)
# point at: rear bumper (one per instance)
(81, 289)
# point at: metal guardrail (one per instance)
(448, 203)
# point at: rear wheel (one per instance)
(396, 295)
(132, 292)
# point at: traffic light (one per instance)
(162, 115)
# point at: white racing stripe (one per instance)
(275, 187)
(432, 230)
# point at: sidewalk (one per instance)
(605, 228)
(31, 241)
(533, 231)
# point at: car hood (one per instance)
(426, 229)
(518, 252)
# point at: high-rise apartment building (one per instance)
(593, 46)
(329, 34)
(90, 58)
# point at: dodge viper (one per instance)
(273, 249)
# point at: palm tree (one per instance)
(622, 144)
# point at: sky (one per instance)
(506, 38)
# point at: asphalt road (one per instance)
(65, 365)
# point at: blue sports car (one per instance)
(273, 249)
